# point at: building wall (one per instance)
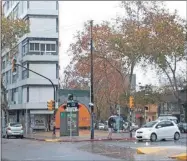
(40, 94)
(27, 90)
(43, 5)
(47, 69)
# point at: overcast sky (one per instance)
(73, 14)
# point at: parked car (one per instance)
(158, 130)
(101, 126)
(182, 127)
(14, 129)
(106, 125)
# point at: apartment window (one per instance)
(24, 71)
(24, 49)
(27, 94)
(57, 5)
(3, 64)
(14, 78)
(4, 7)
(28, 4)
(7, 59)
(4, 77)
(9, 77)
(57, 70)
(8, 5)
(14, 90)
(57, 24)
(50, 47)
(15, 12)
(34, 47)
(20, 7)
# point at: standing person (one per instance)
(111, 121)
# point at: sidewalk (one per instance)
(84, 135)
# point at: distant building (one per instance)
(169, 105)
(28, 93)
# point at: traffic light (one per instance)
(70, 97)
(51, 105)
(13, 65)
(131, 101)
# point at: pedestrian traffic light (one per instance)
(131, 101)
(70, 97)
(13, 65)
(51, 105)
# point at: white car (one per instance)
(101, 126)
(14, 129)
(158, 130)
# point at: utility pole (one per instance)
(91, 80)
(185, 53)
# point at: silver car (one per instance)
(14, 129)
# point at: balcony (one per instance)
(39, 56)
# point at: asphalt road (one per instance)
(29, 150)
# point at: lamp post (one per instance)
(91, 81)
(185, 53)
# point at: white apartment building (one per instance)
(28, 93)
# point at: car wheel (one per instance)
(21, 136)
(153, 137)
(176, 136)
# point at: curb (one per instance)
(83, 140)
(182, 156)
(149, 150)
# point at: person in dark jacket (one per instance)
(111, 122)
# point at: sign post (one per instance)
(119, 113)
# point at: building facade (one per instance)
(170, 105)
(28, 93)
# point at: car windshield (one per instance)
(149, 124)
(15, 125)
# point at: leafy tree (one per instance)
(109, 74)
(132, 35)
(166, 46)
(147, 95)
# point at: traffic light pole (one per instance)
(91, 80)
(54, 94)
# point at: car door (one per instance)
(170, 129)
(160, 130)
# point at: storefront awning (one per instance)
(43, 112)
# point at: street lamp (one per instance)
(91, 81)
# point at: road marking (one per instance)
(150, 150)
(39, 158)
(182, 156)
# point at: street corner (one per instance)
(181, 156)
(149, 150)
